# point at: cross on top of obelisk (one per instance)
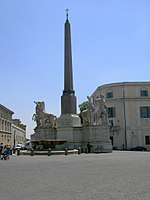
(67, 12)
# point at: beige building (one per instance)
(128, 113)
(18, 132)
(12, 131)
(5, 125)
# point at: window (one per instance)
(109, 95)
(111, 112)
(144, 93)
(145, 112)
(147, 139)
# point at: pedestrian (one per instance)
(89, 147)
(1, 148)
(7, 151)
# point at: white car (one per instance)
(19, 146)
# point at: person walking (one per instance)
(1, 149)
(89, 147)
(7, 151)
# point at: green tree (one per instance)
(83, 106)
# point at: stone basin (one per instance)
(48, 143)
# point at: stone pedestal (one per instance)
(44, 133)
(98, 137)
(69, 120)
(73, 136)
(70, 134)
(69, 128)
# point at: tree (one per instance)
(83, 106)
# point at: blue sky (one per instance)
(110, 43)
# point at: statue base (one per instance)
(69, 120)
(98, 137)
(69, 128)
(44, 133)
(45, 138)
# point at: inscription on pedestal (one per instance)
(64, 122)
(68, 120)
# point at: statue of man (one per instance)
(91, 109)
(100, 113)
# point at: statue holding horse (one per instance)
(96, 113)
(100, 113)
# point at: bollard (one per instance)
(18, 152)
(49, 152)
(32, 152)
(10, 151)
(79, 150)
(86, 150)
(14, 151)
(66, 151)
(102, 147)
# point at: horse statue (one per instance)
(42, 118)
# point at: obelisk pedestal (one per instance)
(69, 129)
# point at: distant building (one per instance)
(12, 131)
(5, 125)
(18, 132)
(128, 112)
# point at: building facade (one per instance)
(5, 125)
(18, 133)
(18, 136)
(10, 132)
(128, 105)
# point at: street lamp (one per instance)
(14, 138)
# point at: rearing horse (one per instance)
(42, 118)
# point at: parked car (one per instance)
(19, 147)
(138, 148)
(25, 148)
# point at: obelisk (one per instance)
(68, 99)
(69, 117)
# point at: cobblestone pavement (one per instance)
(111, 176)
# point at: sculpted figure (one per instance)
(96, 113)
(100, 113)
(91, 109)
(43, 119)
(87, 115)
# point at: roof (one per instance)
(6, 109)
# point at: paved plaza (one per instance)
(111, 176)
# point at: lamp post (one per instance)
(14, 150)
(125, 124)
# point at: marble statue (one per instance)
(100, 113)
(42, 118)
(96, 113)
(87, 115)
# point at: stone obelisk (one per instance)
(69, 115)
(68, 99)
